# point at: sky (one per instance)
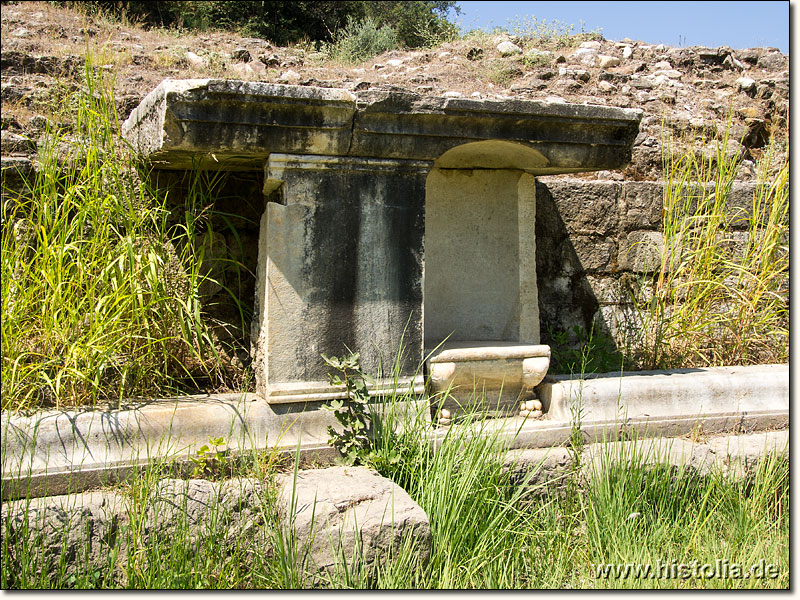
(674, 23)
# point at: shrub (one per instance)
(361, 40)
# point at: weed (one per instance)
(352, 441)
(501, 72)
(577, 350)
(535, 59)
(90, 311)
(209, 457)
(555, 34)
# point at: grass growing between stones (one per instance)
(172, 533)
(721, 292)
(490, 528)
(96, 302)
(675, 522)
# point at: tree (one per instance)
(416, 22)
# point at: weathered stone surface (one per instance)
(607, 290)
(350, 513)
(13, 61)
(545, 471)
(341, 265)
(641, 203)
(14, 142)
(695, 459)
(242, 122)
(480, 276)
(502, 372)
(507, 48)
(772, 61)
(606, 62)
(586, 207)
(640, 251)
(234, 508)
(740, 203)
(241, 54)
(238, 122)
(77, 528)
(594, 254)
(14, 170)
(739, 455)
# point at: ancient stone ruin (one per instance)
(393, 221)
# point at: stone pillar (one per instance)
(340, 267)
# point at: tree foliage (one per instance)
(416, 22)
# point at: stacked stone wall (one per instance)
(597, 242)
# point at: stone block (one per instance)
(341, 265)
(606, 290)
(592, 253)
(350, 514)
(495, 374)
(641, 205)
(544, 471)
(480, 276)
(740, 204)
(619, 321)
(232, 510)
(222, 122)
(641, 251)
(80, 528)
(236, 124)
(587, 207)
(740, 455)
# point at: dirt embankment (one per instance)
(684, 92)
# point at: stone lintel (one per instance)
(235, 125)
(229, 125)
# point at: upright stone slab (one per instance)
(341, 246)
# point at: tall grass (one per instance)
(358, 41)
(490, 527)
(720, 296)
(642, 513)
(158, 540)
(96, 304)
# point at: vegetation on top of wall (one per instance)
(360, 40)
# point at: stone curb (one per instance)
(735, 456)
(59, 451)
(349, 513)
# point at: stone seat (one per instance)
(492, 375)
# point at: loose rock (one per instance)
(508, 49)
(350, 512)
(605, 62)
(241, 55)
